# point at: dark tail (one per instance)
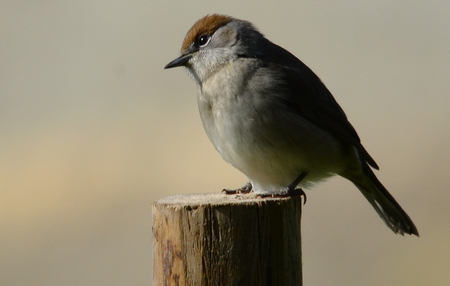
(383, 202)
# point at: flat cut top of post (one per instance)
(194, 200)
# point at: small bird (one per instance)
(272, 118)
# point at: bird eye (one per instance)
(203, 40)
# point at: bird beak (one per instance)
(178, 62)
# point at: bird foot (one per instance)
(244, 190)
(288, 192)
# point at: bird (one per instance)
(271, 117)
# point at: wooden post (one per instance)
(216, 239)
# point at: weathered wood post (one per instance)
(216, 239)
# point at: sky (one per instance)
(93, 131)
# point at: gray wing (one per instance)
(307, 96)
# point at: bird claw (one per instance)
(288, 192)
(244, 190)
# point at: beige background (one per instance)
(93, 130)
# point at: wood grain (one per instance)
(216, 239)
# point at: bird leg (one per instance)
(290, 190)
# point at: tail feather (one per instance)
(384, 203)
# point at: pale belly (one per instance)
(271, 148)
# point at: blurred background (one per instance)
(93, 130)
